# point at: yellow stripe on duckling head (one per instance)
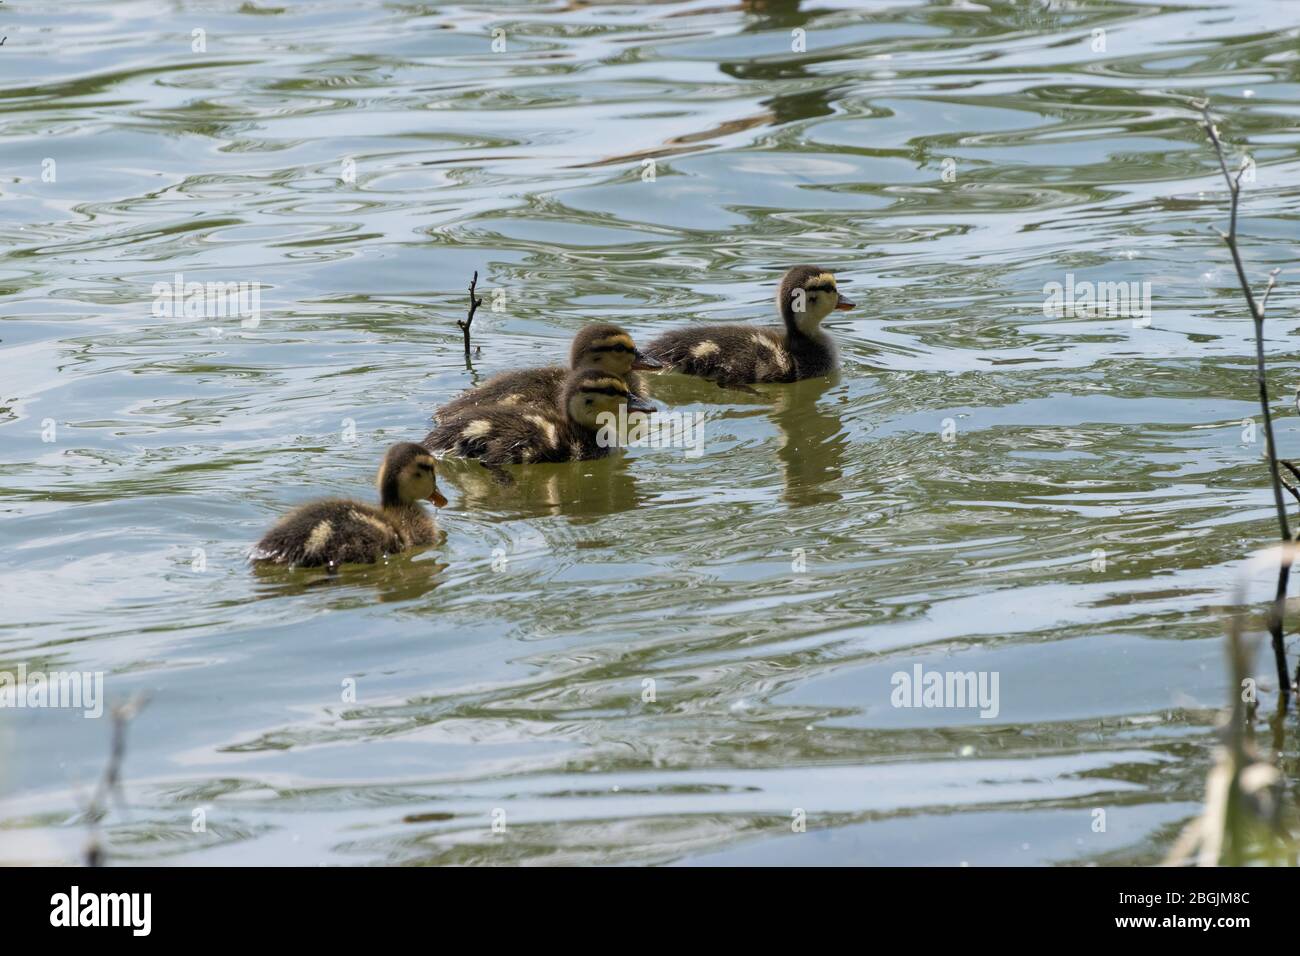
(622, 340)
(594, 384)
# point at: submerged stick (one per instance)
(1275, 617)
(474, 303)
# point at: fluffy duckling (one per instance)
(513, 434)
(742, 354)
(338, 531)
(603, 347)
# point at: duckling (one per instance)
(741, 354)
(338, 531)
(604, 347)
(513, 434)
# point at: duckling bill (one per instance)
(746, 354)
(601, 347)
(515, 434)
(337, 531)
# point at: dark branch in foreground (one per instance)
(1275, 616)
(474, 303)
(110, 784)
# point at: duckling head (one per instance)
(608, 348)
(807, 295)
(407, 476)
(590, 393)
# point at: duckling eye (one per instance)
(590, 400)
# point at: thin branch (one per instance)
(1275, 618)
(110, 784)
(1295, 492)
(474, 303)
(1268, 291)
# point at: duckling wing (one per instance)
(466, 435)
(503, 435)
(532, 387)
(726, 354)
(330, 532)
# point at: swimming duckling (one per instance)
(739, 354)
(514, 434)
(603, 347)
(338, 531)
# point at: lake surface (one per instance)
(658, 658)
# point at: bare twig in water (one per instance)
(1275, 618)
(474, 303)
(1286, 483)
(1295, 492)
(110, 784)
(1242, 815)
(1291, 488)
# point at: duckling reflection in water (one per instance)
(737, 354)
(813, 442)
(599, 348)
(338, 531)
(388, 581)
(811, 437)
(664, 430)
(577, 490)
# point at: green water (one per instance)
(1060, 500)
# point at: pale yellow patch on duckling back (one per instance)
(478, 428)
(370, 520)
(776, 354)
(705, 349)
(512, 400)
(319, 537)
(548, 428)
